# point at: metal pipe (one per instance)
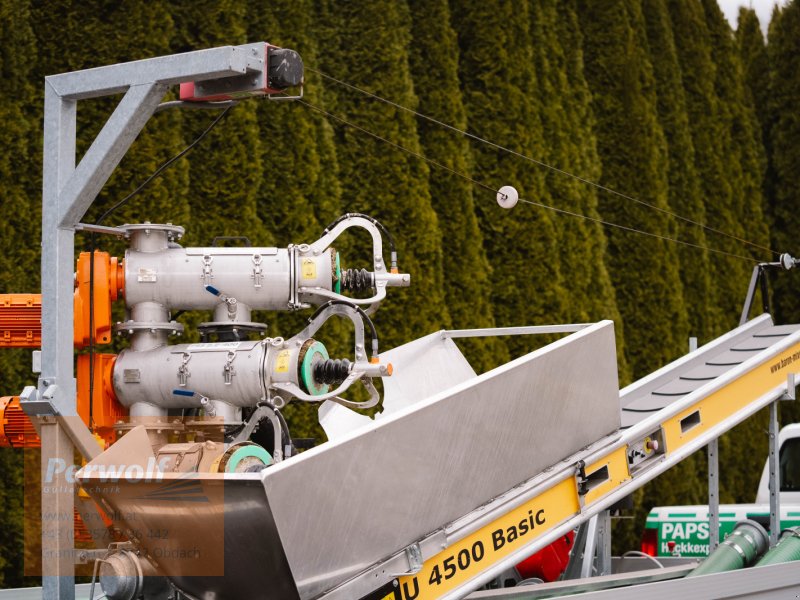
(747, 541)
(787, 549)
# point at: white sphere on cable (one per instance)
(507, 196)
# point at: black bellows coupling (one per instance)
(357, 280)
(331, 370)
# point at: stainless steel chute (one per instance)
(308, 524)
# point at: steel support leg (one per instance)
(603, 550)
(58, 579)
(713, 495)
(774, 477)
(589, 548)
(712, 454)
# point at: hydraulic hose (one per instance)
(741, 548)
(787, 549)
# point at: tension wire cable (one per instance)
(540, 163)
(164, 166)
(531, 202)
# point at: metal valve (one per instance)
(274, 370)
(161, 273)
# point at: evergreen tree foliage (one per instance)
(467, 273)
(783, 123)
(633, 151)
(20, 206)
(20, 214)
(746, 161)
(376, 179)
(654, 98)
(499, 88)
(755, 60)
(743, 163)
(226, 172)
(684, 186)
(569, 143)
(682, 483)
(784, 133)
(710, 125)
(300, 191)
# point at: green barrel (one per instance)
(746, 542)
(786, 550)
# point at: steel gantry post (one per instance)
(68, 191)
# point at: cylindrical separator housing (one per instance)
(260, 278)
(237, 373)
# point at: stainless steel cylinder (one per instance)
(260, 278)
(154, 316)
(227, 371)
(128, 576)
(230, 375)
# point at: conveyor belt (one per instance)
(706, 364)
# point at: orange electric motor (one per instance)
(16, 430)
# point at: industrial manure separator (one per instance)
(191, 485)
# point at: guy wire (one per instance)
(496, 191)
(540, 163)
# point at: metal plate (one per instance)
(422, 368)
(344, 505)
(213, 535)
(649, 403)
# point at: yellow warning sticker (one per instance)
(474, 554)
(308, 268)
(282, 362)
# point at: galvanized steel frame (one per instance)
(67, 193)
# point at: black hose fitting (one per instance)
(357, 280)
(332, 371)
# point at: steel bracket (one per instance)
(415, 560)
(791, 388)
(34, 406)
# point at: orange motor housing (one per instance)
(20, 320)
(106, 410)
(109, 283)
(16, 430)
(21, 327)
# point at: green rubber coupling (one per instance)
(311, 353)
(746, 542)
(786, 550)
(241, 457)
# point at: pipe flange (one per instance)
(131, 327)
(121, 576)
(174, 232)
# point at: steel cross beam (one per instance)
(67, 193)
